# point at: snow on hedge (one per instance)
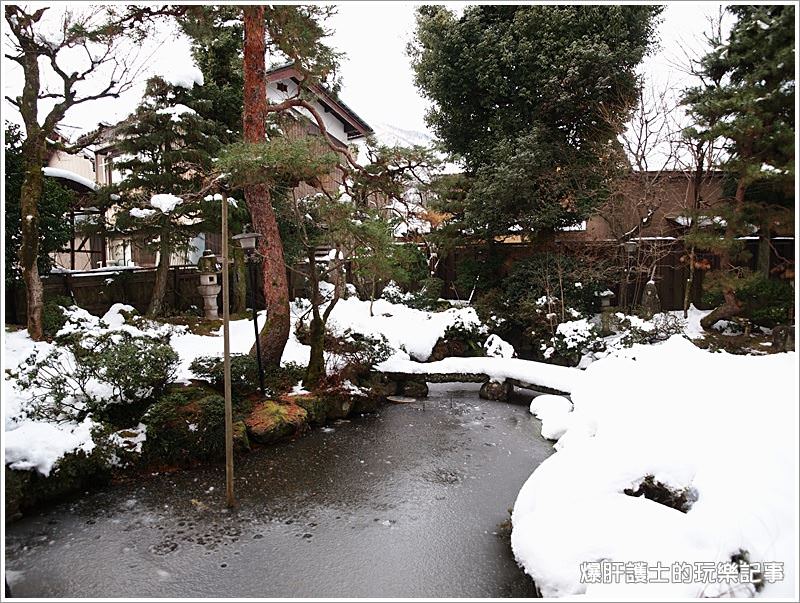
(185, 75)
(720, 426)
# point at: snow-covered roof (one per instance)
(72, 176)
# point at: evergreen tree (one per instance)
(167, 149)
(54, 229)
(531, 100)
(747, 99)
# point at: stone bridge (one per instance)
(498, 375)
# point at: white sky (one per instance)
(376, 75)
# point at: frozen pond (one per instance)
(404, 503)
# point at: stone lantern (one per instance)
(209, 286)
(606, 312)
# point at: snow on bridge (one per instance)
(513, 371)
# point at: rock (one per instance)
(380, 385)
(271, 421)
(316, 407)
(492, 390)
(413, 389)
(366, 403)
(780, 338)
(241, 443)
(446, 348)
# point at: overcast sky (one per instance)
(376, 75)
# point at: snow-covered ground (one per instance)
(721, 426)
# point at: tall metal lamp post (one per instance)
(248, 241)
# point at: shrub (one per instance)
(182, 426)
(357, 354)
(244, 374)
(427, 298)
(53, 317)
(112, 376)
(766, 302)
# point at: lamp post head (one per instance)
(247, 240)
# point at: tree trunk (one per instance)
(275, 333)
(30, 193)
(730, 307)
(315, 370)
(156, 307)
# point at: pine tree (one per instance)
(531, 100)
(167, 149)
(747, 100)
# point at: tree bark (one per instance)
(156, 307)
(275, 333)
(30, 194)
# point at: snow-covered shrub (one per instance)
(638, 330)
(110, 376)
(572, 340)
(394, 294)
(471, 334)
(357, 353)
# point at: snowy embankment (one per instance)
(35, 444)
(719, 429)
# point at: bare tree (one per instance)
(88, 40)
(642, 191)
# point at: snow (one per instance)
(183, 76)
(38, 445)
(496, 347)
(725, 426)
(138, 212)
(176, 111)
(69, 175)
(560, 378)
(166, 202)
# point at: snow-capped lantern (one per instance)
(209, 286)
(605, 298)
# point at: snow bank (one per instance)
(412, 332)
(38, 445)
(722, 425)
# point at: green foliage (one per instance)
(278, 162)
(185, 425)
(111, 376)
(359, 353)
(167, 147)
(54, 229)
(529, 98)
(53, 317)
(244, 374)
(428, 295)
(766, 302)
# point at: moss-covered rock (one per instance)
(315, 406)
(271, 421)
(73, 473)
(413, 389)
(241, 443)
